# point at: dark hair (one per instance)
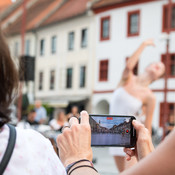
(32, 111)
(8, 81)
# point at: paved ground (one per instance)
(105, 163)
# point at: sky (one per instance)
(110, 123)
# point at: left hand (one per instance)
(75, 142)
(144, 144)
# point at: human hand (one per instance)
(75, 142)
(144, 143)
(149, 42)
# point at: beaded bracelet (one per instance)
(81, 166)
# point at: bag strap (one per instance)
(9, 149)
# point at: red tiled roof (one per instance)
(103, 3)
(69, 9)
(34, 15)
(4, 5)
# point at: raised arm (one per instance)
(133, 60)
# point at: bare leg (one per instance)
(120, 162)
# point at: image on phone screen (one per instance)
(108, 130)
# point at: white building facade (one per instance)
(125, 27)
(65, 76)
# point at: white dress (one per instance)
(33, 154)
(123, 103)
(54, 124)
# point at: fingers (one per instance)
(137, 125)
(84, 117)
(129, 153)
(73, 121)
(65, 127)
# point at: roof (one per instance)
(34, 16)
(71, 8)
(4, 5)
(104, 5)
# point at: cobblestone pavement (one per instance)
(104, 162)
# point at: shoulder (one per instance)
(150, 96)
(34, 145)
(32, 135)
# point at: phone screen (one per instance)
(109, 130)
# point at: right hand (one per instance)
(75, 142)
(144, 144)
(149, 42)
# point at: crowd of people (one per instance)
(28, 152)
(38, 116)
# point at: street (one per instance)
(104, 162)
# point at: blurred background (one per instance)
(73, 52)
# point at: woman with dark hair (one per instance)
(32, 153)
(8, 81)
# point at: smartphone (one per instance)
(112, 130)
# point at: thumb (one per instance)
(137, 125)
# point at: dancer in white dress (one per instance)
(133, 97)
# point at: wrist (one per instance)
(78, 163)
(144, 44)
(71, 161)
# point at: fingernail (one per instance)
(128, 152)
(135, 121)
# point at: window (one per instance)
(71, 41)
(104, 33)
(82, 76)
(53, 44)
(40, 87)
(133, 23)
(52, 80)
(27, 47)
(42, 46)
(69, 78)
(16, 49)
(165, 18)
(103, 70)
(135, 70)
(170, 69)
(170, 113)
(84, 39)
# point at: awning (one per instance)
(63, 101)
(58, 104)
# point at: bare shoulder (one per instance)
(150, 96)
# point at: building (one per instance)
(59, 34)
(65, 56)
(122, 25)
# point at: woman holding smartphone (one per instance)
(76, 153)
(134, 97)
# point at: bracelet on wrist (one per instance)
(82, 166)
(74, 163)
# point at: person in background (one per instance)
(74, 112)
(31, 118)
(59, 122)
(170, 125)
(41, 113)
(29, 121)
(134, 97)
